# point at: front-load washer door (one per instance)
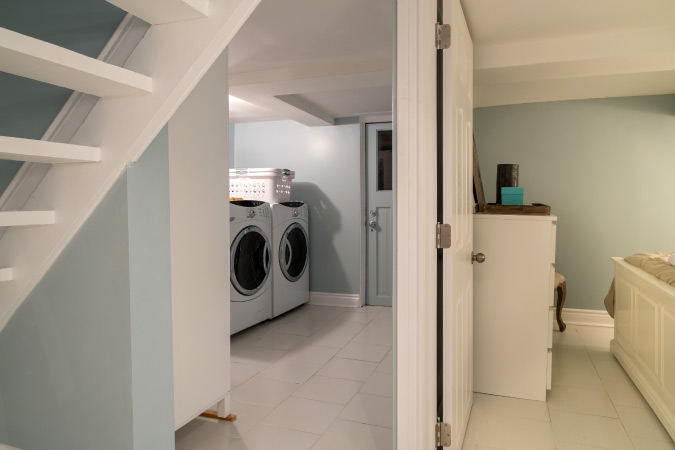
(249, 260)
(293, 254)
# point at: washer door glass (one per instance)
(249, 260)
(293, 252)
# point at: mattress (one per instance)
(655, 264)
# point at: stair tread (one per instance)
(32, 58)
(6, 274)
(164, 11)
(26, 218)
(18, 149)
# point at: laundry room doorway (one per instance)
(379, 213)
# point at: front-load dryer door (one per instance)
(293, 254)
(249, 261)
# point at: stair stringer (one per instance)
(176, 55)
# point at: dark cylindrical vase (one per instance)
(507, 176)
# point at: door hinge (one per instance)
(443, 235)
(442, 36)
(443, 434)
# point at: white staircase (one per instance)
(136, 101)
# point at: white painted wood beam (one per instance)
(631, 63)
(32, 150)
(280, 90)
(31, 58)
(26, 218)
(304, 112)
(164, 11)
(6, 274)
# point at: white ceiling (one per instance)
(316, 60)
(492, 21)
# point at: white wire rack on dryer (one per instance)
(268, 185)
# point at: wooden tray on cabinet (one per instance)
(535, 209)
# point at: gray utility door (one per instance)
(379, 214)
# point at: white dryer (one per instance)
(250, 260)
(290, 256)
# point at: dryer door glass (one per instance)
(249, 260)
(293, 252)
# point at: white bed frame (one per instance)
(644, 337)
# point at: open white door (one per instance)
(457, 211)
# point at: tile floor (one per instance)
(593, 405)
(315, 378)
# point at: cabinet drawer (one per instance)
(549, 368)
(551, 292)
(551, 315)
(553, 237)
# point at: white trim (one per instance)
(586, 317)
(415, 292)
(363, 121)
(332, 299)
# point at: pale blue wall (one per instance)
(326, 164)
(28, 107)
(87, 358)
(150, 287)
(606, 167)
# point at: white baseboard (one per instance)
(588, 317)
(331, 299)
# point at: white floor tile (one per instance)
(280, 341)
(649, 444)
(506, 406)
(306, 325)
(514, 433)
(257, 356)
(267, 437)
(264, 391)
(239, 373)
(313, 353)
(302, 414)
(348, 369)
(573, 446)
(369, 409)
(293, 370)
(364, 352)
(387, 364)
(378, 333)
(204, 440)
(625, 393)
(590, 430)
(345, 435)
(248, 414)
(336, 335)
(582, 400)
(332, 390)
(379, 384)
(642, 423)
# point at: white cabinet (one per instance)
(513, 305)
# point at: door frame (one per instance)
(414, 231)
(363, 122)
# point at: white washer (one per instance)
(250, 260)
(290, 256)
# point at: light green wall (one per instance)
(86, 361)
(327, 167)
(606, 167)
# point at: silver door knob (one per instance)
(477, 257)
(372, 224)
(373, 213)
